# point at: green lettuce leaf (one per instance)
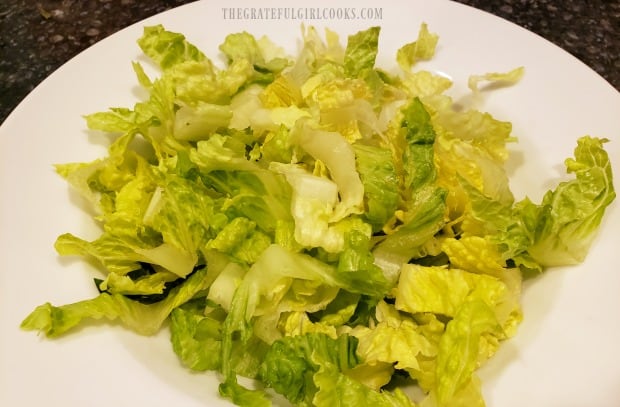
(196, 338)
(262, 54)
(243, 396)
(320, 217)
(423, 207)
(196, 335)
(459, 349)
(145, 319)
(396, 340)
(361, 51)
(422, 48)
(559, 230)
(335, 388)
(378, 175)
(291, 363)
(569, 216)
(442, 290)
(409, 240)
(168, 48)
(333, 150)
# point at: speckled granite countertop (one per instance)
(37, 37)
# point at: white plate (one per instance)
(566, 352)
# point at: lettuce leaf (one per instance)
(335, 387)
(423, 48)
(459, 348)
(361, 51)
(378, 175)
(559, 230)
(291, 363)
(569, 216)
(145, 319)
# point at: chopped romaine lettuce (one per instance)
(318, 224)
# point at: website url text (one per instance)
(301, 13)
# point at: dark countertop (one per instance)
(37, 37)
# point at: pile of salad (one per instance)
(317, 223)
